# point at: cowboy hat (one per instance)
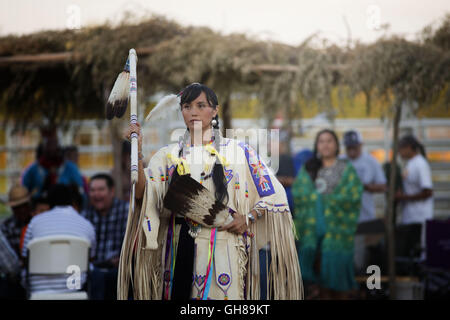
(18, 195)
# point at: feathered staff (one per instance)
(124, 89)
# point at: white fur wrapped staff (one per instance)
(133, 116)
(124, 89)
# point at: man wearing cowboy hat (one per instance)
(19, 201)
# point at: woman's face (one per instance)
(406, 152)
(326, 145)
(198, 112)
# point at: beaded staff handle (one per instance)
(132, 59)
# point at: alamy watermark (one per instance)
(73, 20)
(374, 280)
(74, 280)
(373, 21)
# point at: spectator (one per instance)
(9, 271)
(71, 154)
(61, 219)
(369, 172)
(327, 196)
(77, 198)
(39, 205)
(300, 159)
(50, 168)
(9, 261)
(37, 155)
(19, 201)
(417, 195)
(109, 216)
(373, 179)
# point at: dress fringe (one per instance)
(284, 281)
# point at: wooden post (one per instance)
(226, 114)
(391, 201)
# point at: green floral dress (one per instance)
(326, 224)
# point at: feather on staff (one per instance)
(118, 98)
(166, 106)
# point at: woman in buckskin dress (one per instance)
(204, 208)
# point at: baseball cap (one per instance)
(352, 138)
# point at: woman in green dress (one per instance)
(327, 194)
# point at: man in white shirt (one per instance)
(60, 219)
(369, 172)
(373, 179)
(417, 195)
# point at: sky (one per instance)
(288, 21)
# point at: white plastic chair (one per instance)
(52, 255)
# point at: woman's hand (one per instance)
(238, 225)
(137, 129)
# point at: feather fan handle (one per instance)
(166, 106)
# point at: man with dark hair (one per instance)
(61, 219)
(417, 196)
(103, 176)
(59, 196)
(109, 216)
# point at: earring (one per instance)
(214, 122)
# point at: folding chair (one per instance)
(53, 255)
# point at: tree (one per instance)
(400, 71)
